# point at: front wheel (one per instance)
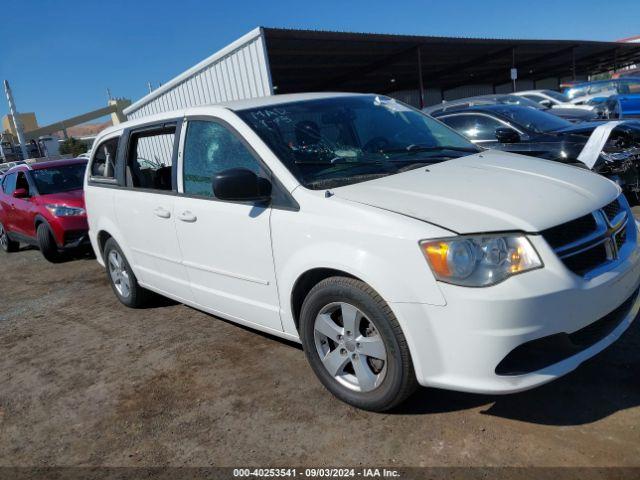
(47, 244)
(355, 345)
(6, 243)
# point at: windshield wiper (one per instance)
(413, 148)
(335, 161)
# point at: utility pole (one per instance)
(17, 123)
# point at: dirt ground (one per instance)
(86, 381)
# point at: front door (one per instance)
(226, 246)
(23, 210)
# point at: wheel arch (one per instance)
(305, 282)
(39, 219)
(102, 238)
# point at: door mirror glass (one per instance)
(20, 193)
(507, 135)
(241, 185)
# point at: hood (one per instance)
(576, 114)
(488, 192)
(580, 128)
(73, 198)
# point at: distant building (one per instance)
(29, 122)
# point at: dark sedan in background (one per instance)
(572, 114)
(614, 151)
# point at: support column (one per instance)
(17, 123)
(420, 81)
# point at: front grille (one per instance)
(586, 261)
(589, 242)
(571, 231)
(612, 210)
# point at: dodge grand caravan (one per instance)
(396, 251)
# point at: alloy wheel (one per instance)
(350, 347)
(119, 274)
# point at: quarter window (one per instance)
(104, 159)
(151, 158)
(209, 149)
(9, 183)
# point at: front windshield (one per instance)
(338, 141)
(536, 120)
(556, 95)
(59, 179)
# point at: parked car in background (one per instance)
(582, 93)
(614, 154)
(396, 251)
(622, 107)
(551, 99)
(572, 114)
(42, 204)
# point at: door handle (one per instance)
(187, 216)
(162, 212)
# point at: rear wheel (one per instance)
(122, 279)
(6, 243)
(47, 244)
(355, 345)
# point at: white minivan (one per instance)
(396, 251)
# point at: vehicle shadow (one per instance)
(600, 387)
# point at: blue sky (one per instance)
(62, 55)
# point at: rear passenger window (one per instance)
(104, 160)
(209, 149)
(151, 158)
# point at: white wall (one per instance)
(237, 72)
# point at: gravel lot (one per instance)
(86, 381)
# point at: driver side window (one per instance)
(209, 149)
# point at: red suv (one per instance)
(42, 204)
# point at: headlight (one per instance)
(64, 211)
(480, 260)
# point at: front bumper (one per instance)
(70, 232)
(460, 345)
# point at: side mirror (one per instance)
(546, 103)
(241, 185)
(507, 135)
(20, 193)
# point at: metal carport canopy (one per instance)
(305, 60)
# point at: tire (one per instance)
(121, 277)
(6, 243)
(363, 379)
(47, 244)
